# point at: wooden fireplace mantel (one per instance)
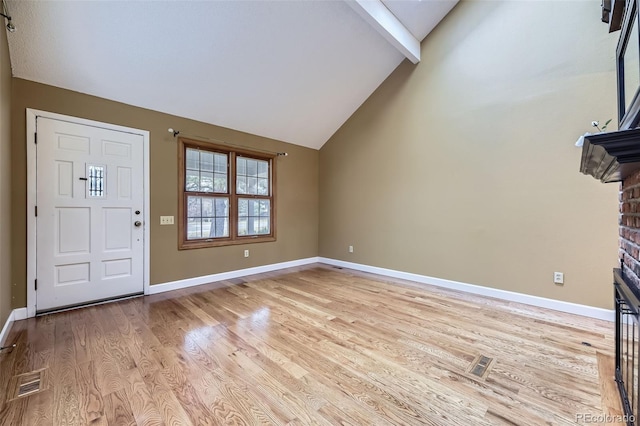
(611, 156)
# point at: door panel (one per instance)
(89, 188)
(73, 230)
(77, 273)
(64, 178)
(124, 183)
(117, 229)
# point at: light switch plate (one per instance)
(166, 220)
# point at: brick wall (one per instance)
(630, 228)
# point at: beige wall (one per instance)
(297, 186)
(5, 179)
(464, 168)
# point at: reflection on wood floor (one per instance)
(310, 345)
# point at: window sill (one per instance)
(221, 243)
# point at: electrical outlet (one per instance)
(166, 220)
(246, 253)
(558, 277)
(350, 249)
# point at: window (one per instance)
(226, 195)
(95, 189)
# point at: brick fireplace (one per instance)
(630, 228)
(615, 157)
(627, 294)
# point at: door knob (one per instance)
(137, 223)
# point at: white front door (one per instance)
(89, 224)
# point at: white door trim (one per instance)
(31, 195)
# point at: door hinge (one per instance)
(35, 138)
(36, 211)
(36, 281)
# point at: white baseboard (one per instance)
(206, 279)
(5, 329)
(15, 315)
(568, 307)
(557, 305)
(19, 314)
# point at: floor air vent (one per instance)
(481, 366)
(28, 384)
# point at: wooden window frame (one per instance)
(232, 153)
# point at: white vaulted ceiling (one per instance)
(288, 70)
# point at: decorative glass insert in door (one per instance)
(96, 181)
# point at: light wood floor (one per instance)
(314, 345)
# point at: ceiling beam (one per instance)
(376, 14)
